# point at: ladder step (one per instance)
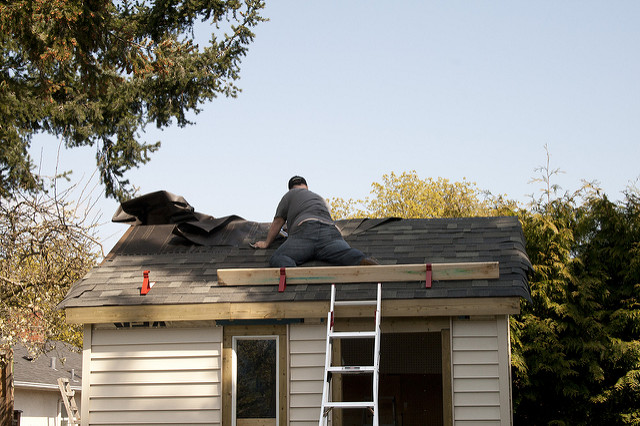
(353, 334)
(355, 303)
(349, 404)
(352, 369)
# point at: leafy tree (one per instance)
(408, 196)
(47, 242)
(96, 72)
(576, 347)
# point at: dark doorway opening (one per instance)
(410, 390)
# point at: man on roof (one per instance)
(312, 232)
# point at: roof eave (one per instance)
(433, 307)
(42, 386)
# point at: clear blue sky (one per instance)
(344, 92)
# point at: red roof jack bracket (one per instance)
(146, 285)
(283, 280)
(429, 276)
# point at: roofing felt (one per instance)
(183, 250)
(41, 371)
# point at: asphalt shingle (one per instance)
(181, 267)
(41, 370)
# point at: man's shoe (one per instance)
(369, 261)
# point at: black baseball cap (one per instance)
(297, 180)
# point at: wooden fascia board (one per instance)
(359, 274)
(289, 310)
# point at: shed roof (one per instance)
(183, 250)
(43, 371)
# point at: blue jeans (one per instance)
(315, 240)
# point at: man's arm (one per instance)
(274, 230)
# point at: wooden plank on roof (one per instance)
(359, 274)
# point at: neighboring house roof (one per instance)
(42, 372)
(183, 250)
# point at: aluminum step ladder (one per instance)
(330, 369)
(68, 397)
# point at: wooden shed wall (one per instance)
(307, 345)
(140, 376)
(152, 375)
(481, 372)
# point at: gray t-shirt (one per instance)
(300, 204)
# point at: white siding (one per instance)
(154, 376)
(481, 372)
(306, 371)
(40, 407)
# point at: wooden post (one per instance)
(6, 386)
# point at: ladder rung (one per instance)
(353, 334)
(349, 404)
(352, 369)
(355, 303)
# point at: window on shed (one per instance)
(256, 378)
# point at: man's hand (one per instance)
(260, 245)
(271, 235)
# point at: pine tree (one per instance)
(609, 249)
(577, 347)
(96, 72)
